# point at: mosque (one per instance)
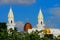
(28, 27)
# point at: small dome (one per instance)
(47, 31)
(27, 26)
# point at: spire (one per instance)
(40, 15)
(10, 13)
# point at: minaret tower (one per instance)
(10, 24)
(40, 20)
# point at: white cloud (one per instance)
(17, 1)
(56, 5)
(54, 19)
(19, 25)
(55, 12)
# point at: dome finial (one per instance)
(27, 20)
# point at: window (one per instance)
(41, 22)
(11, 21)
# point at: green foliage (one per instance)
(21, 36)
(15, 35)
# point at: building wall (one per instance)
(55, 32)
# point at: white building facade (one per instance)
(10, 23)
(40, 26)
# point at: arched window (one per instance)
(41, 22)
(11, 21)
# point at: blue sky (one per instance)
(30, 9)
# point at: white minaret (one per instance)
(40, 20)
(10, 23)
